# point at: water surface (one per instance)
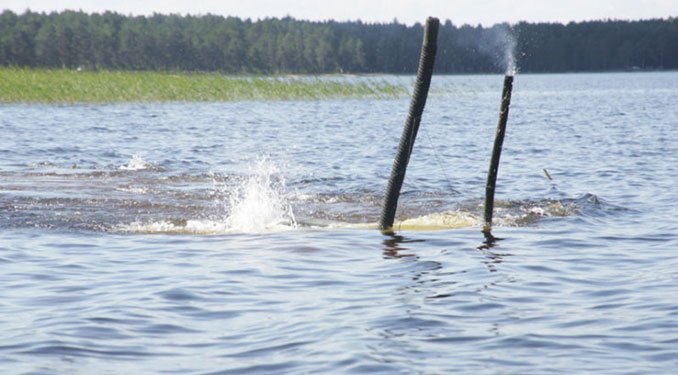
(219, 238)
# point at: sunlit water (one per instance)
(219, 238)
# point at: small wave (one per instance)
(522, 213)
(204, 227)
(136, 164)
(42, 164)
(132, 189)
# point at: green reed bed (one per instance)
(68, 86)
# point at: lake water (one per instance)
(238, 238)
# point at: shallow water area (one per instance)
(226, 238)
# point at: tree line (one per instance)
(74, 39)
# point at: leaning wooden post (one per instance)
(496, 152)
(421, 86)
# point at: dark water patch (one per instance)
(457, 339)
(164, 329)
(14, 347)
(97, 333)
(100, 129)
(215, 315)
(178, 294)
(109, 352)
(649, 325)
(407, 323)
(609, 306)
(52, 300)
(534, 342)
(630, 347)
(614, 293)
(277, 350)
(542, 269)
(479, 307)
(584, 322)
(667, 356)
(104, 320)
(69, 289)
(563, 244)
(37, 276)
(273, 368)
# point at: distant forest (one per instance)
(113, 41)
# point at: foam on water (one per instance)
(136, 163)
(523, 213)
(132, 189)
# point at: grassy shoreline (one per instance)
(18, 85)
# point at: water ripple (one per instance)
(581, 281)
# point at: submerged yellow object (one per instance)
(438, 221)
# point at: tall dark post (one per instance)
(421, 86)
(496, 152)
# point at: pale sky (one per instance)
(486, 12)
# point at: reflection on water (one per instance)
(394, 246)
(490, 249)
(490, 239)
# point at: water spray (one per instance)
(402, 158)
(510, 48)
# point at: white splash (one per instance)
(136, 164)
(132, 189)
(259, 204)
(256, 204)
